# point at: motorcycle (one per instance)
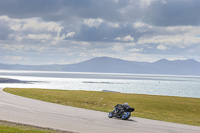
(123, 113)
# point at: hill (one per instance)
(113, 65)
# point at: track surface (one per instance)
(34, 112)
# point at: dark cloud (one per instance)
(159, 12)
(57, 9)
(28, 8)
(173, 13)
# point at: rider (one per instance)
(120, 107)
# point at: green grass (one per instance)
(173, 109)
(11, 127)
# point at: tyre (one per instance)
(126, 115)
(110, 115)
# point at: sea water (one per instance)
(169, 85)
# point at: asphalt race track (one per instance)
(34, 112)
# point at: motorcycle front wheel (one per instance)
(111, 114)
(126, 115)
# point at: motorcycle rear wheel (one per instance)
(126, 115)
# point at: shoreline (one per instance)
(8, 80)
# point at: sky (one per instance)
(39, 32)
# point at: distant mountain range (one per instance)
(113, 65)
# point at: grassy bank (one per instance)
(165, 108)
(11, 127)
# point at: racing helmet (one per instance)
(126, 104)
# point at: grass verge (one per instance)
(12, 127)
(165, 108)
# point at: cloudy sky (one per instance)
(70, 31)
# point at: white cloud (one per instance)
(22, 47)
(31, 24)
(32, 28)
(39, 36)
(180, 41)
(114, 25)
(126, 38)
(70, 34)
(15, 58)
(136, 50)
(35, 24)
(180, 28)
(83, 43)
(145, 3)
(130, 44)
(118, 38)
(4, 18)
(138, 24)
(116, 1)
(141, 25)
(17, 37)
(118, 48)
(93, 22)
(161, 47)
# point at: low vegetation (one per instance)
(11, 127)
(165, 108)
